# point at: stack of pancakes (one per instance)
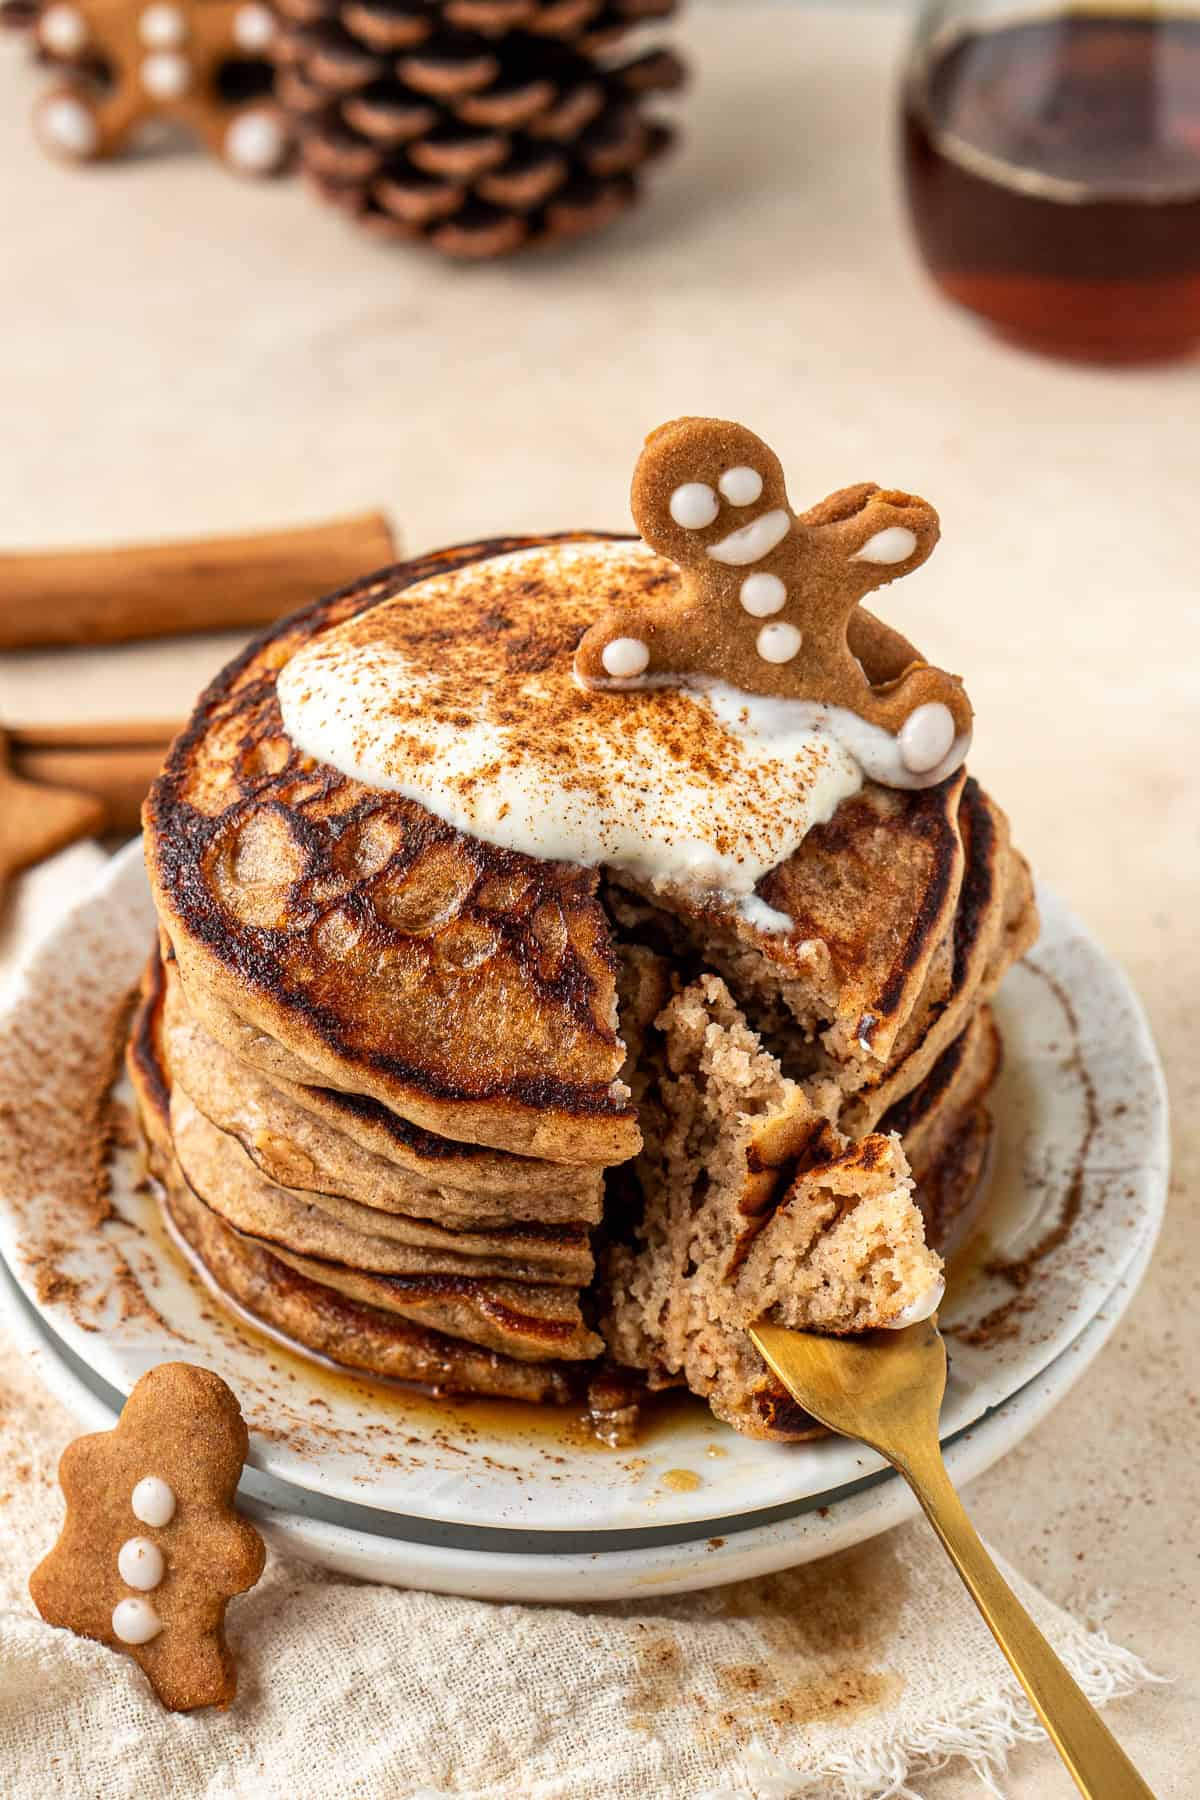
(409, 1096)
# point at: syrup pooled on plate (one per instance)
(411, 1409)
(1053, 173)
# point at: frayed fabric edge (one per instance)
(982, 1737)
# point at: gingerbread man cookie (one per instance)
(203, 64)
(152, 1548)
(767, 595)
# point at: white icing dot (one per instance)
(253, 26)
(741, 486)
(63, 30)
(140, 1563)
(778, 643)
(926, 737)
(893, 545)
(166, 75)
(762, 594)
(694, 505)
(135, 1621)
(152, 1501)
(624, 658)
(256, 143)
(68, 125)
(162, 27)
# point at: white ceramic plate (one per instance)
(1082, 1141)
(568, 1566)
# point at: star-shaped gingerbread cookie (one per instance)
(152, 1548)
(35, 820)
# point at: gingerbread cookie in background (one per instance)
(130, 64)
(768, 600)
(152, 1548)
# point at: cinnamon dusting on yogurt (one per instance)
(459, 694)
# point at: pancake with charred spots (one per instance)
(383, 1065)
(348, 938)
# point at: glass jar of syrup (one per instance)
(1052, 162)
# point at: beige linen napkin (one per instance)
(847, 1679)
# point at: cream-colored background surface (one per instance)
(181, 352)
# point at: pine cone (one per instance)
(18, 15)
(478, 126)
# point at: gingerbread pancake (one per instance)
(417, 1053)
(468, 989)
(336, 1145)
(429, 1340)
(311, 1309)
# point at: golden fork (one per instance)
(885, 1389)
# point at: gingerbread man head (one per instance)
(767, 596)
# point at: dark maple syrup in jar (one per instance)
(1053, 174)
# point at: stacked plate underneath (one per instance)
(568, 1565)
(512, 1501)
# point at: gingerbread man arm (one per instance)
(640, 646)
(866, 537)
(875, 535)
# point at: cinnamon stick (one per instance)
(124, 734)
(108, 596)
(113, 764)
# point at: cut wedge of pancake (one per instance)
(900, 994)
(753, 1206)
(872, 895)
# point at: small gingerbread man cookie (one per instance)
(172, 60)
(152, 1548)
(767, 596)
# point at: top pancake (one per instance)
(468, 988)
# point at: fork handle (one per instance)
(1099, 1766)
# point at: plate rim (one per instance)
(849, 1462)
(739, 1552)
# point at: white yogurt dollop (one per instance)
(637, 808)
(436, 695)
